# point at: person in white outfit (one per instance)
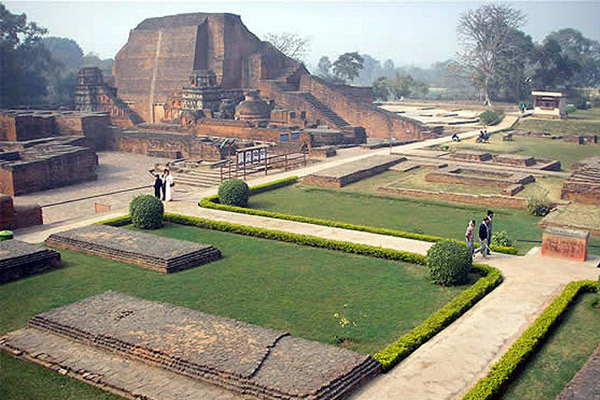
(168, 185)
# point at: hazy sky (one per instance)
(412, 32)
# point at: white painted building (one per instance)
(549, 104)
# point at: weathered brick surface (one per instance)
(139, 248)
(149, 143)
(583, 185)
(161, 53)
(466, 176)
(565, 243)
(345, 174)
(18, 259)
(471, 155)
(123, 377)
(47, 166)
(377, 122)
(244, 358)
(491, 200)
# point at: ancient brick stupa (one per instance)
(161, 54)
(191, 66)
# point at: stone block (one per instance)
(19, 259)
(565, 243)
(346, 174)
(143, 249)
(244, 358)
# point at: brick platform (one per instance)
(18, 259)
(583, 185)
(467, 176)
(471, 155)
(139, 248)
(565, 243)
(346, 174)
(244, 358)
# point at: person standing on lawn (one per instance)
(483, 237)
(470, 237)
(490, 215)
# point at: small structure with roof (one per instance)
(549, 104)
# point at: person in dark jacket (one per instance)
(483, 237)
(490, 215)
(158, 185)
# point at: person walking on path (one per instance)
(483, 237)
(470, 237)
(490, 215)
(158, 185)
(168, 185)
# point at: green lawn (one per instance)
(566, 153)
(279, 285)
(387, 211)
(581, 122)
(564, 353)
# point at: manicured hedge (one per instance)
(401, 348)
(502, 371)
(408, 343)
(213, 202)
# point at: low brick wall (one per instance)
(150, 143)
(490, 200)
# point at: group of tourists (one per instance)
(485, 235)
(484, 136)
(164, 186)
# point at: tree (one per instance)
(581, 53)
(551, 68)
(324, 67)
(65, 52)
(290, 44)
(348, 65)
(24, 61)
(381, 89)
(371, 70)
(388, 68)
(486, 34)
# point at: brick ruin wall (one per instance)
(242, 130)
(49, 173)
(161, 53)
(490, 200)
(24, 126)
(378, 123)
(146, 143)
(15, 128)
(15, 217)
(362, 93)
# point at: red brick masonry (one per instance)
(565, 243)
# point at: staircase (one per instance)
(327, 112)
(289, 83)
(203, 177)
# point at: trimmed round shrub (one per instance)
(146, 212)
(234, 192)
(490, 117)
(449, 263)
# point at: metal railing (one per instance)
(231, 169)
